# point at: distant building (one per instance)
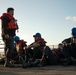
(53, 46)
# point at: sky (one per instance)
(54, 19)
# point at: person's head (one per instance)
(74, 32)
(37, 36)
(60, 45)
(10, 11)
(16, 38)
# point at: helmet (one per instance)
(37, 34)
(74, 31)
(16, 38)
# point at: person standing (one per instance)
(9, 27)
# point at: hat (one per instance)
(16, 38)
(37, 35)
(74, 31)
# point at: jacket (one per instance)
(42, 43)
(9, 24)
(20, 45)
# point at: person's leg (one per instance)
(9, 51)
(22, 61)
(73, 52)
(37, 53)
(52, 60)
(28, 54)
(22, 54)
(67, 53)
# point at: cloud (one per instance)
(68, 17)
(73, 19)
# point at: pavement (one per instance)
(47, 70)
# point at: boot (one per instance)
(68, 62)
(22, 62)
(34, 63)
(42, 63)
(7, 63)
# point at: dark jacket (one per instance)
(71, 42)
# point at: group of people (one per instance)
(37, 53)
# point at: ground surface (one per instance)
(48, 70)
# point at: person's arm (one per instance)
(5, 21)
(33, 45)
(66, 41)
(42, 43)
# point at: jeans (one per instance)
(35, 53)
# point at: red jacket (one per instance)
(20, 45)
(42, 43)
(55, 52)
(12, 24)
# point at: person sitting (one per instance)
(35, 50)
(41, 54)
(59, 53)
(20, 50)
(70, 47)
